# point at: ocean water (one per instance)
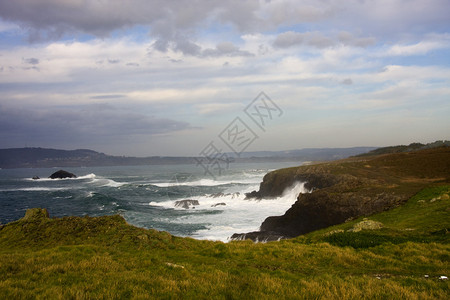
(146, 196)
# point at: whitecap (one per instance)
(32, 189)
(207, 182)
(105, 182)
(236, 216)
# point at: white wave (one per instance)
(33, 189)
(108, 182)
(207, 182)
(66, 197)
(92, 178)
(88, 176)
(237, 215)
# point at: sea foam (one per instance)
(237, 215)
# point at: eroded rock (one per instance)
(186, 204)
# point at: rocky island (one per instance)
(61, 174)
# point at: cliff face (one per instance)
(324, 208)
(274, 183)
(348, 189)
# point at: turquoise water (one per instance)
(146, 196)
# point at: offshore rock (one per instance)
(62, 174)
(186, 204)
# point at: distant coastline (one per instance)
(48, 158)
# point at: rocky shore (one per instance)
(347, 189)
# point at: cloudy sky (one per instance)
(166, 77)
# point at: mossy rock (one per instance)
(366, 225)
(36, 214)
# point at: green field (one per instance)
(105, 258)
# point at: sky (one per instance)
(180, 78)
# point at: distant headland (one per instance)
(49, 158)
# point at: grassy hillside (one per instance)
(105, 258)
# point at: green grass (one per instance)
(105, 258)
(425, 218)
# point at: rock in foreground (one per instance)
(36, 213)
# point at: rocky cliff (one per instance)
(348, 189)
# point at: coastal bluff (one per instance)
(346, 189)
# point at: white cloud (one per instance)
(420, 48)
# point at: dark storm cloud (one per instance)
(71, 126)
(174, 24)
(53, 18)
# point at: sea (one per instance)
(147, 196)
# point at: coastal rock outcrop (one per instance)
(322, 208)
(274, 183)
(186, 204)
(347, 189)
(62, 174)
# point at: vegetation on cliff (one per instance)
(406, 148)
